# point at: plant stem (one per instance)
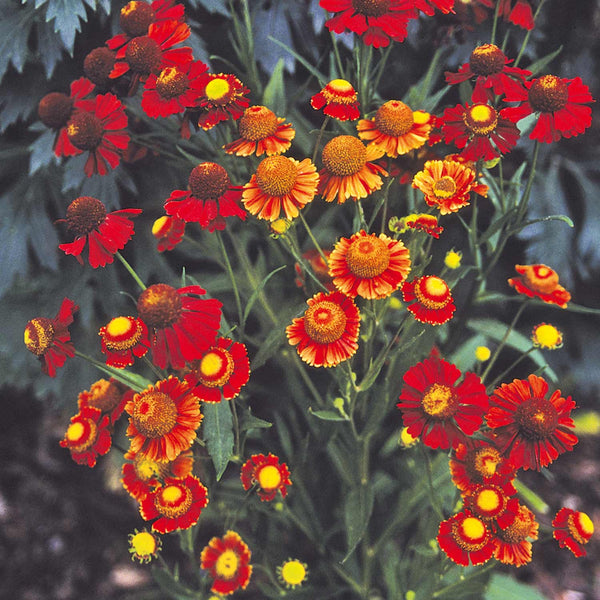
(130, 270)
(236, 291)
(528, 35)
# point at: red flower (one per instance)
(520, 14)
(338, 99)
(98, 64)
(512, 546)
(50, 339)
(175, 505)
(109, 397)
(573, 529)
(228, 561)
(220, 97)
(88, 436)
(465, 539)
(377, 21)
(437, 409)
(122, 339)
(493, 504)
(210, 199)
(107, 233)
(560, 104)
(268, 473)
(327, 333)
(428, 7)
(529, 428)
(182, 327)
(430, 300)
(540, 281)
(168, 232)
(421, 222)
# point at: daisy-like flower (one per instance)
(490, 66)
(573, 530)
(546, 336)
(262, 132)
(50, 339)
(176, 505)
(87, 436)
(227, 559)
(560, 103)
(144, 545)
(436, 408)
(327, 333)
(183, 327)
(493, 504)
(220, 372)
(172, 90)
(210, 199)
(221, 97)
(168, 232)
(122, 340)
(429, 299)
(270, 475)
(338, 99)
(479, 130)
(368, 265)
(540, 281)
(520, 13)
(163, 419)
(280, 184)
(529, 428)
(421, 222)
(447, 185)
(465, 539)
(377, 21)
(348, 171)
(292, 573)
(512, 546)
(396, 128)
(108, 396)
(105, 233)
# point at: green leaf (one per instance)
(323, 79)
(67, 16)
(503, 587)
(257, 292)
(217, 429)
(564, 218)
(49, 49)
(268, 348)
(327, 415)
(357, 512)
(172, 586)
(248, 421)
(15, 26)
(541, 64)
(274, 94)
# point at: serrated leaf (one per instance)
(42, 153)
(327, 415)
(274, 94)
(503, 587)
(15, 26)
(217, 428)
(50, 48)
(357, 512)
(67, 16)
(257, 292)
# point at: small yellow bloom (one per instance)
(279, 227)
(453, 259)
(292, 573)
(546, 336)
(406, 439)
(482, 353)
(144, 545)
(394, 303)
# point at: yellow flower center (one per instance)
(171, 83)
(159, 225)
(276, 175)
(548, 94)
(537, 418)
(371, 8)
(269, 477)
(159, 305)
(580, 527)
(154, 414)
(122, 333)
(75, 431)
(368, 257)
(257, 123)
(444, 187)
(227, 565)
(143, 543)
(38, 335)
(470, 534)
(325, 322)
(147, 469)
(136, 17)
(394, 118)
(81, 434)
(344, 155)
(487, 60)
(339, 91)
(432, 292)
(215, 368)
(172, 501)
(482, 353)
(473, 528)
(217, 89)
(489, 500)
(84, 215)
(547, 336)
(485, 461)
(209, 181)
(143, 55)
(293, 572)
(440, 401)
(480, 119)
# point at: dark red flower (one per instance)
(494, 504)
(268, 473)
(465, 539)
(428, 7)
(572, 529)
(109, 396)
(168, 232)
(88, 436)
(512, 546)
(98, 64)
(520, 14)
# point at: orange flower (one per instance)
(396, 128)
(430, 299)
(268, 473)
(168, 232)
(280, 183)
(348, 172)
(369, 266)
(540, 281)
(511, 545)
(338, 99)
(87, 436)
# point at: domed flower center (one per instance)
(485, 462)
(470, 534)
(293, 572)
(209, 181)
(276, 175)
(227, 565)
(432, 292)
(55, 109)
(547, 336)
(143, 55)
(81, 435)
(339, 90)
(368, 257)
(136, 17)
(269, 477)
(445, 187)
(480, 119)
(537, 418)
(98, 64)
(159, 306)
(85, 130)
(548, 94)
(217, 90)
(394, 118)
(147, 469)
(144, 543)
(440, 401)
(371, 8)
(541, 278)
(519, 530)
(39, 335)
(154, 414)
(489, 502)
(257, 123)
(215, 368)
(173, 500)
(580, 527)
(344, 155)
(487, 60)
(104, 395)
(325, 322)
(122, 333)
(85, 214)
(172, 83)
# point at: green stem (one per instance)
(130, 270)
(232, 277)
(313, 239)
(461, 581)
(495, 23)
(319, 138)
(336, 53)
(528, 35)
(432, 494)
(510, 368)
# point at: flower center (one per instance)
(81, 435)
(444, 187)
(215, 368)
(276, 175)
(39, 335)
(487, 60)
(470, 534)
(227, 565)
(122, 333)
(293, 572)
(143, 543)
(537, 418)
(217, 89)
(394, 118)
(143, 55)
(84, 215)
(257, 123)
(368, 257)
(489, 502)
(547, 336)
(55, 109)
(344, 155)
(171, 83)
(519, 530)
(173, 501)
(440, 401)
(269, 478)
(135, 18)
(154, 414)
(85, 130)
(147, 469)
(339, 90)
(104, 395)
(98, 64)
(485, 462)
(580, 527)
(548, 94)
(371, 8)
(209, 181)
(325, 322)
(432, 292)
(480, 119)
(159, 305)
(541, 279)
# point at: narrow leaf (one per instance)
(503, 587)
(217, 428)
(357, 512)
(327, 415)
(256, 292)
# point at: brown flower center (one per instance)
(257, 123)
(154, 414)
(368, 257)
(143, 55)
(432, 292)
(136, 17)
(85, 214)
(537, 418)
(470, 534)
(159, 306)
(209, 181)
(98, 64)
(344, 155)
(440, 401)
(85, 130)
(444, 187)
(487, 60)
(519, 530)
(394, 118)
(55, 109)
(276, 175)
(548, 94)
(325, 322)
(371, 8)
(215, 368)
(39, 335)
(171, 83)
(104, 395)
(480, 119)
(173, 500)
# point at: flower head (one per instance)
(520, 13)
(540, 281)
(327, 333)
(429, 299)
(292, 573)
(421, 222)
(87, 436)
(220, 97)
(483, 353)
(453, 259)
(338, 99)
(318, 264)
(493, 504)
(109, 396)
(465, 539)
(512, 545)
(573, 530)
(144, 545)
(98, 64)
(123, 339)
(270, 475)
(168, 232)
(546, 336)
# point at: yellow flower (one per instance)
(482, 353)
(292, 573)
(546, 336)
(453, 259)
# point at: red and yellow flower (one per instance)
(122, 340)
(429, 299)
(573, 529)
(318, 264)
(540, 281)
(221, 97)
(338, 99)
(268, 473)
(109, 396)
(421, 222)
(88, 436)
(493, 504)
(512, 546)
(466, 539)
(168, 232)
(327, 333)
